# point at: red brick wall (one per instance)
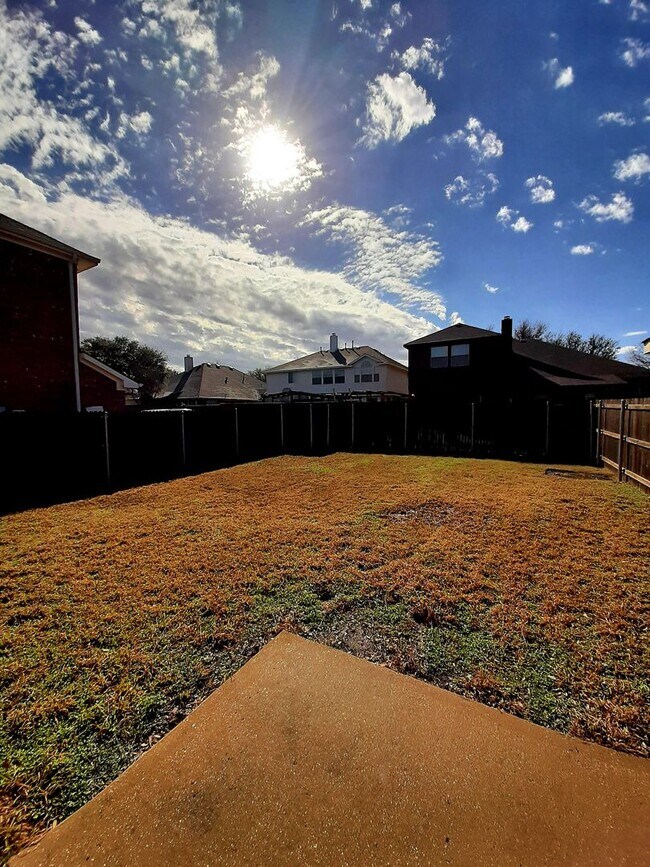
(99, 390)
(36, 345)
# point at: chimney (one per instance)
(189, 363)
(506, 330)
(334, 343)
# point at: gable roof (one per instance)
(460, 331)
(340, 358)
(122, 381)
(213, 381)
(26, 236)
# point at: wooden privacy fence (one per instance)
(64, 457)
(624, 439)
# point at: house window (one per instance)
(328, 378)
(450, 356)
(357, 377)
(439, 356)
(375, 377)
(339, 377)
(366, 377)
(316, 379)
(460, 355)
(289, 378)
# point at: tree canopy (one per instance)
(142, 363)
(595, 344)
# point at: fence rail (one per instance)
(65, 457)
(624, 439)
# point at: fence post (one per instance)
(107, 449)
(471, 445)
(621, 439)
(183, 453)
(236, 433)
(406, 422)
(282, 428)
(328, 428)
(352, 425)
(311, 428)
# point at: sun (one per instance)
(273, 162)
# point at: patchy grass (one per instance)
(522, 590)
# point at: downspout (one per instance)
(72, 271)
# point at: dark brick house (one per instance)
(41, 367)
(475, 364)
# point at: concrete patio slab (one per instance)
(310, 756)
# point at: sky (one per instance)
(255, 174)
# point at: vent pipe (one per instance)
(506, 328)
(334, 342)
(189, 363)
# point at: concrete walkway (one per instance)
(310, 756)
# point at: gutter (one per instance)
(72, 272)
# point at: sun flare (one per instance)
(273, 162)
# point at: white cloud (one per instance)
(633, 51)
(30, 50)
(472, 191)
(491, 289)
(395, 106)
(506, 216)
(183, 288)
(582, 250)
(616, 117)
(87, 34)
(620, 208)
(455, 318)
(381, 258)
(635, 333)
(483, 144)
(633, 168)
(646, 105)
(541, 190)
(562, 77)
(430, 56)
(639, 10)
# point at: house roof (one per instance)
(460, 331)
(582, 367)
(123, 382)
(213, 381)
(340, 358)
(26, 236)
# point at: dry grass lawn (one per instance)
(523, 590)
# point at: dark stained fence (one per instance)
(49, 459)
(624, 439)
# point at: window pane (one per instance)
(357, 378)
(439, 351)
(316, 379)
(339, 377)
(290, 377)
(366, 377)
(327, 379)
(460, 355)
(376, 377)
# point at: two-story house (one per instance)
(347, 371)
(469, 363)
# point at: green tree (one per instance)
(142, 363)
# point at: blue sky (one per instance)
(255, 174)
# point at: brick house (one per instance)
(41, 367)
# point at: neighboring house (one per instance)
(646, 345)
(360, 369)
(208, 384)
(474, 363)
(39, 320)
(105, 388)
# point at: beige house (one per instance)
(359, 369)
